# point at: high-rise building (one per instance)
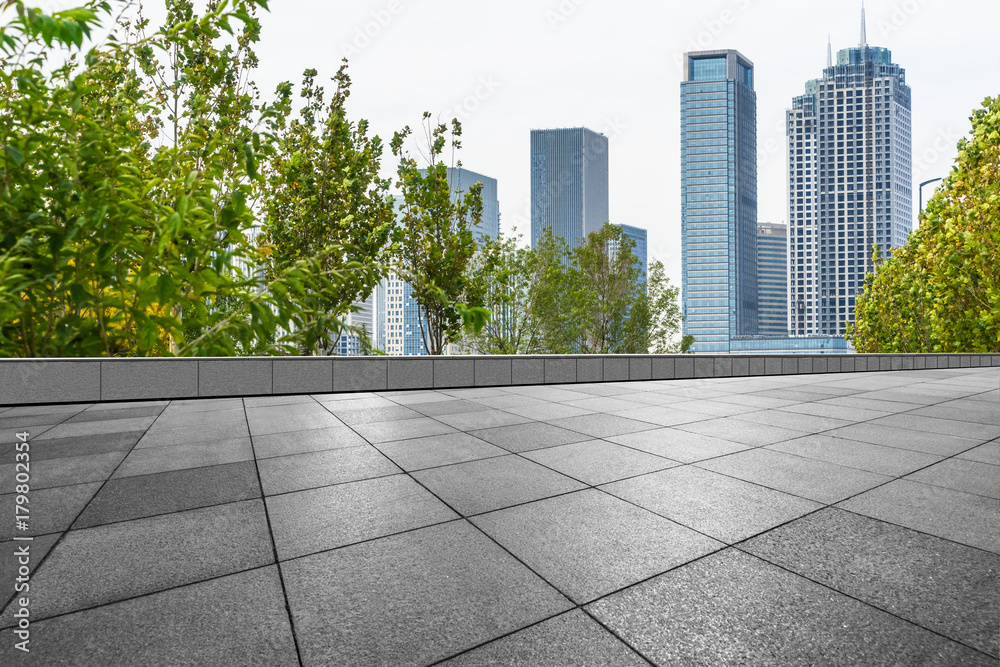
(638, 234)
(772, 278)
(569, 183)
(397, 315)
(718, 198)
(849, 182)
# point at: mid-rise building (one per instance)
(849, 183)
(772, 278)
(569, 183)
(718, 199)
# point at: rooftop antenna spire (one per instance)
(864, 39)
(829, 52)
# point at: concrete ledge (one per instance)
(30, 381)
(302, 375)
(452, 372)
(248, 376)
(137, 379)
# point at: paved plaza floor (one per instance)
(837, 519)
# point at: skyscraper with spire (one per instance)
(849, 182)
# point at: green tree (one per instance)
(655, 319)
(502, 272)
(551, 276)
(605, 295)
(434, 237)
(325, 200)
(940, 292)
(126, 178)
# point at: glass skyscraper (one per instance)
(718, 198)
(569, 183)
(850, 182)
(772, 278)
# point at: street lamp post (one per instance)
(921, 189)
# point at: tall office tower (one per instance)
(718, 198)
(849, 182)
(569, 183)
(772, 278)
(638, 234)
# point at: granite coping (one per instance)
(40, 381)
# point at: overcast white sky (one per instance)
(505, 67)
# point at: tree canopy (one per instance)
(941, 291)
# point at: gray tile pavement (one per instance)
(781, 520)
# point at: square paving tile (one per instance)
(747, 433)
(918, 441)
(951, 427)
(817, 480)
(127, 498)
(38, 547)
(412, 599)
(64, 471)
(99, 427)
(664, 415)
(568, 640)
(489, 484)
(453, 406)
(403, 429)
(203, 405)
(954, 515)
(602, 426)
(301, 442)
(119, 413)
(935, 583)
(985, 453)
(714, 408)
(962, 475)
(602, 404)
(186, 435)
(526, 437)
(792, 420)
(852, 413)
(891, 461)
(239, 619)
(963, 410)
(114, 562)
(180, 457)
(84, 445)
(678, 445)
(289, 423)
(168, 420)
(283, 474)
(598, 462)
(733, 609)
(722, 507)
(29, 422)
(334, 516)
(588, 544)
(539, 410)
(467, 421)
(50, 510)
(373, 415)
(438, 450)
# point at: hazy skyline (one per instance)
(504, 69)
